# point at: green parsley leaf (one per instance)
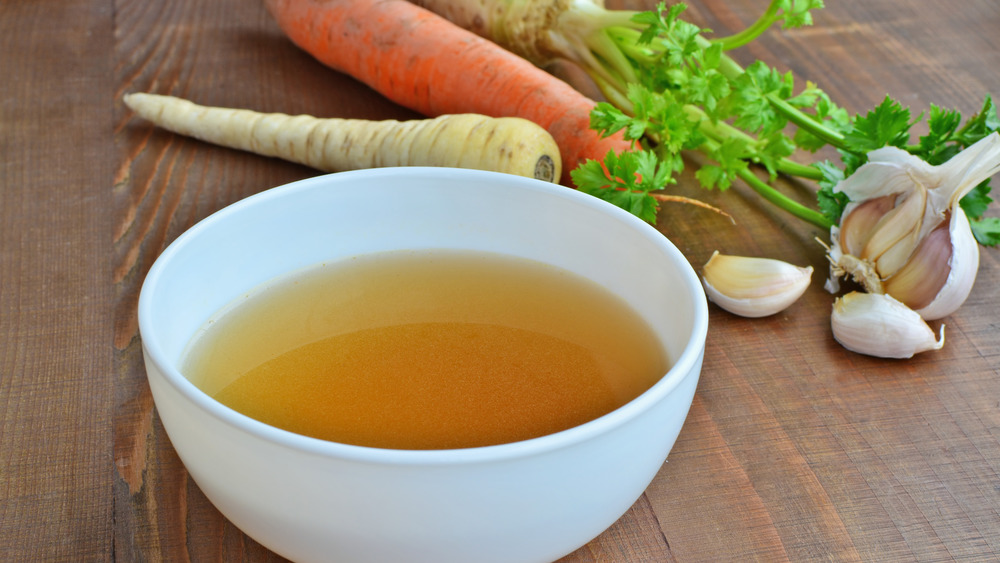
(986, 231)
(977, 201)
(608, 120)
(831, 203)
(886, 125)
(749, 102)
(796, 14)
(980, 125)
(730, 162)
(625, 180)
(707, 89)
(776, 146)
(934, 147)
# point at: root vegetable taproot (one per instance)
(538, 30)
(543, 31)
(426, 63)
(511, 145)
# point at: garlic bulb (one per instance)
(879, 325)
(904, 232)
(753, 287)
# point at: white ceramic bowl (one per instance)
(312, 500)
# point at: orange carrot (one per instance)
(424, 62)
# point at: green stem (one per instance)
(758, 27)
(804, 121)
(589, 29)
(617, 42)
(731, 69)
(784, 202)
(720, 131)
(610, 62)
(614, 95)
(792, 168)
(774, 196)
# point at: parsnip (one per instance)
(510, 144)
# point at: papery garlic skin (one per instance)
(896, 201)
(879, 325)
(753, 287)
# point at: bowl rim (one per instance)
(684, 366)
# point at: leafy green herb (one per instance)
(987, 230)
(886, 125)
(672, 89)
(831, 203)
(625, 180)
(975, 204)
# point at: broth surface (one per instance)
(427, 350)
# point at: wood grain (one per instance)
(55, 365)
(794, 449)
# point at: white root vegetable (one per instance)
(544, 31)
(538, 30)
(511, 145)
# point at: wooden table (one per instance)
(794, 448)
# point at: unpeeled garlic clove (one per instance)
(962, 269)
(897, 234)
(879, 325)
(920, 280)
(753, 287)
(858, 224)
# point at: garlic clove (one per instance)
(940, 274)
(879, 325)
(918, 282)
(964, 265)
(858, 224)
(753, 287)
(897, 234)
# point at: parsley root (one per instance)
(511, 145)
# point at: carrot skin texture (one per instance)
(421, 61)
(510, 145)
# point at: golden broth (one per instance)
(427, 350)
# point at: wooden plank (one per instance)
(55, 365)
